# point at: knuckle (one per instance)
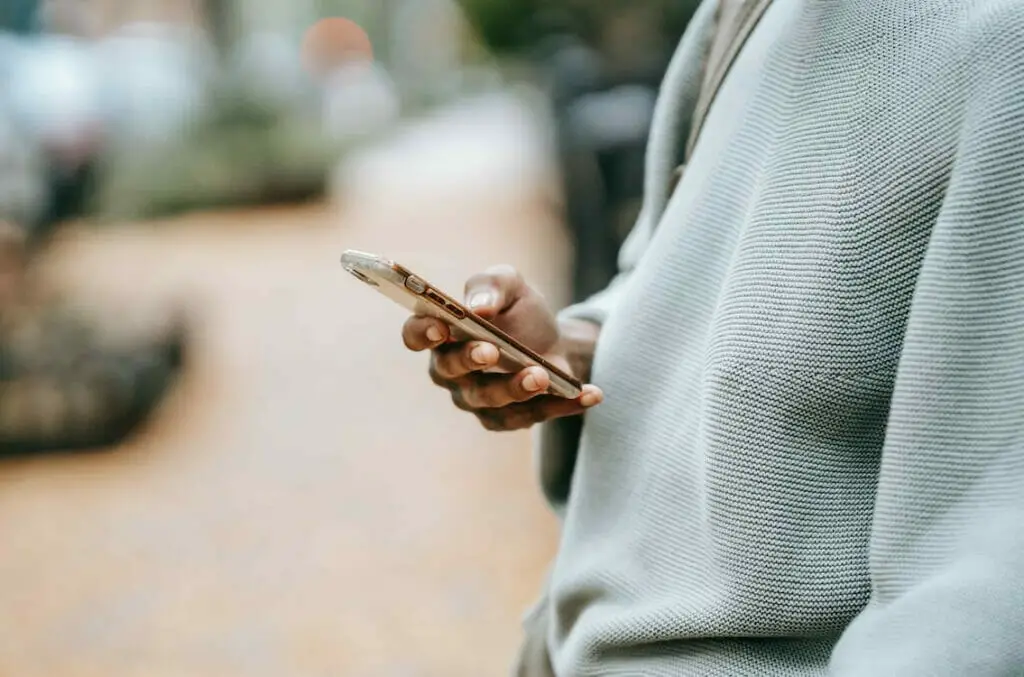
(490, 421)
(479, 396)
(495, 397)
(517, 393)
(459, 400)
(469, 397)
(441, 365)
(472, 396)
(441, 370)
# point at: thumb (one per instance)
(527, 414)
(557, 407)
(494, 291)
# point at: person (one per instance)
(805, 455)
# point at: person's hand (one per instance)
(479, 382)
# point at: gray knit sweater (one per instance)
(810, 460)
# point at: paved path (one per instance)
(306, 503)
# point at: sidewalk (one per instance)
(307, 503)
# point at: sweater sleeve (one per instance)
(596, 308)
(947, 543)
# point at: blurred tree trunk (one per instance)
(220, 23)
(19, 16)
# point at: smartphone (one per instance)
(422, 298)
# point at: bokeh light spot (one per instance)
(334, 42)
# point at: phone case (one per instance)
(421, 298)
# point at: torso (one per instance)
(725, 489)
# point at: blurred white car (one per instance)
(54, 96)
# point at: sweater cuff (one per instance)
(596, 308)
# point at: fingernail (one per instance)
(434, 334)
(531, 384)
(481, 354)
(482, 299)
(590, 400)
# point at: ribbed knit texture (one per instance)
(810, 460)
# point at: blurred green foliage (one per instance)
(241, 153)
(517, 26)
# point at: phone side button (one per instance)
(415, 284)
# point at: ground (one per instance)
(306, 503)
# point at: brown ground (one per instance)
(306, 503)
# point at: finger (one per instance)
(494, 290)
(492, 391)
(551, 408)
(459, 399)
(458, 359)
(422, 333)
(538, 410)
(438, 379)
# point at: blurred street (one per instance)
(306, 503)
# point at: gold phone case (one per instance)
(421, 298)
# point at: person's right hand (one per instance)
(501, 399)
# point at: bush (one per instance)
(517, 26)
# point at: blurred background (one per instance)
(216, 458)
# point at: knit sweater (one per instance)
(810, 458)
